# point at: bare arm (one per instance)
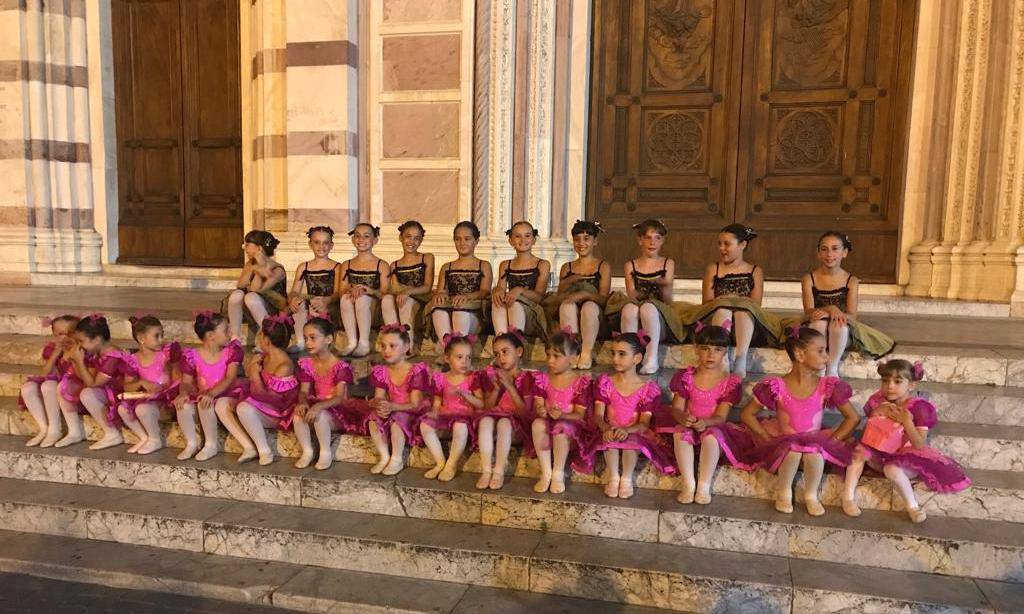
(707, 287)
(852, 298)
(749, 418)
(758, 291)
(850, 421)
(668, 280)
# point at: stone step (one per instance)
(661, 575)
(348, 486)
(286, 586)
(120, 277)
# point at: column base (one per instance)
(45, 250)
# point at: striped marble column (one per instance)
(46, 203)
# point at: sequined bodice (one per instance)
(411, 276)
(463, 281)
(646, 284)
(733, 284)
(825, 298)
(319, 283)
(522, 278)
(593, 278)
(370, 279)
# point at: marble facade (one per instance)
(385, 110)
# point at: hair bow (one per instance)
(322, 315)
(645, 338)
(46, 321)
(280, 318)
(450, 338)
(917, 370)
(203, 314)
(518, 334)
(699, 326)
(394, 328)
(95, 317)
(727, 325)
(794, 332)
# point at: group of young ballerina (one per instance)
(561, 416)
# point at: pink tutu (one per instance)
(735, 441)
(156, 372)
(53, 376)
(164, 397)
(770, 454)
(445, 422)
(581, 433)
(418, 379)
(939, 472)
(647, 443)
(277, 398)
(408, 421)
(352, 416)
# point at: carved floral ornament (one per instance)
(675, 142)
(679, 34)
(806, 140)
(812, 37)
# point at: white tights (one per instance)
(838, 338)
(395, 314)
(323, 426)
(444, 469)
(146, 426)
(503, 318)
(461, 322)
(251, 301)
(698, 489)
(644, 316)
(42, 400)
(814, 468)
(619, 484)
(743, 330)
(494, 439)
(95, 401)
(390, 460)
(356, 318)
(552, 471)
(586, 321)
(256, 424)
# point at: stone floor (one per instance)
(20, 594)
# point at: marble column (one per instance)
(539, 114)
(46, 208)
(967, 235)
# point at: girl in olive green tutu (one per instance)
(262, 288)
(412, 280)
(461, 304)
(647, 301)
(365, 278)
(830, 305)
(583, 288)
(732, 290)
(521, 286)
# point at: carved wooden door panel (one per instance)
(822, 130)
(147, 58)
(665, 105)
(178, 118)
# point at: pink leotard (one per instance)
(323, 385)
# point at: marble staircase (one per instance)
(346, 540)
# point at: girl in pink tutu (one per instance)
(323, 384)
(561, 400)
(623, 406)
(39, 394)
(96, 382)
(273, 392)
(798, 400)
(401, 395)
(701, 400)
(895, 441)
(457, 395)
(209, 380)
(151, 383)
(509, 404)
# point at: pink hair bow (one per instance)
(699, 326)
(727, 325)
(641, 334)
(280, 318)
(203, 314)
(794, 332)
(568, 332)
(394, 328)
(918, 370)
(518, 334)
(323, 315)
(450, 338)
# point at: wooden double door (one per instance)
(786, 115)
(178, 117)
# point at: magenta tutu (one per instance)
(939, 472)
(208, 375)
(417, 379)
(454, 408)
(578, 394)
(158, 372)
(797, 426)
(734, 440)
(275, 398)
(505, 408)
(349, 415)
(624, 411)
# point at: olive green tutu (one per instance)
(864, 338)
(536, 319)
(419, 300)
(553, 303)
(675, 332)
(333, 311)
(480, 307)
(768, 329)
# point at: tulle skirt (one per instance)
(769, 455)
(938, 472)
(553, 303)
(279, 410)
(37, 379)
(582, 435)
(768, 331)
(735, 441)
(408, 421)
(521, 428)
(162, 398)
(351, 416)
(647, 443)
(864, 338)
(481, 308)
